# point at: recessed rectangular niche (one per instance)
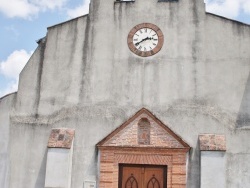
(89, 184)
(212, 160)
(59, 158)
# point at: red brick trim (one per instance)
(121, 147)
(149, 149)
(111, 158)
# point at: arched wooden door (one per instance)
(142, 176)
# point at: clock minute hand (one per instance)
(142, 41)
(139, 42)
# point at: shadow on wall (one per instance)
(91, 171)
(193, 171)
(243, 119)
(40, 182)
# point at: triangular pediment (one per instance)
(143, 130)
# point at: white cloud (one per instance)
(11, 67)
(246, 6)
(80, 10)
(27, 9)
(14, 63)
(18, 8)
(228, 8)
(49, 4)
(11, 87)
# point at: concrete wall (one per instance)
(58, 168)
(226, 67)
(64, 65)
(30, 83)
(213, 169)
(85, 77)
(6, 106)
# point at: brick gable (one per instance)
(143, 130)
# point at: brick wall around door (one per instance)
(111, 158)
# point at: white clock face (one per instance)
(145, 39)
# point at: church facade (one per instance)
(136, 94)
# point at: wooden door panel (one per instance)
(142, 176)
(153, 178)
(131, 177)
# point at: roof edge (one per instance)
(225, 18)
(8, 95)
(67, 21)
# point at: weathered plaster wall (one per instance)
(30, 83)
(58, 168)
(213, 169)
(63, 65)
(85, 77)
(6, 106)
(28, 154)
(157, 80)
(226, 68)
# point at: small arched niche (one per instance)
(143, 131)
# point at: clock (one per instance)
(145, 39)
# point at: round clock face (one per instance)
(145, 39)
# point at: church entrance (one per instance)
(142, 153)
(142, 176)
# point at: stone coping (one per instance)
(212, 142)
(61, 138)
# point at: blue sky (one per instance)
(23, 22)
